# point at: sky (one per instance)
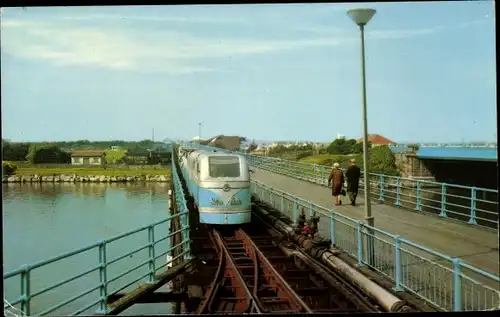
(266, 72)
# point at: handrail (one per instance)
(155, 252)
(473, 205)
(410, 266)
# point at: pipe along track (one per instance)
(258, 273)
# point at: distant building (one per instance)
(340, 137)
(377, 140)
(116, 148)
(88, 157)
(226, 142)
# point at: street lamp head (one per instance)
(361, 16)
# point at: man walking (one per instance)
(353, 174)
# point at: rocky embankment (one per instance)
(84, 179)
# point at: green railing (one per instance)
(104, 274)
(446, 282)
(473, 205)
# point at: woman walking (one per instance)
(337, 179)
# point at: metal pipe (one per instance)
(387, 300)
(318, 268)
(390, 302)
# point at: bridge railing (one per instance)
(97, 270)
(446, 282)
(474, 205)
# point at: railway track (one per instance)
(252, 270)
(255, 272)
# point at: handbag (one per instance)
(342, 192)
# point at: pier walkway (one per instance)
(475, 245)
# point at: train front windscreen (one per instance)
(224, 166)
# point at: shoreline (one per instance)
(73, 178)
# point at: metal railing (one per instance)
(473, 205)
(102, 276)
(446, 282)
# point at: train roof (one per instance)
(205, 155)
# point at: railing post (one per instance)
(25, 290)
(398, 191)
(398, 270)
(443, 200)
(311, 208)
(457, 285)
(472, 219)
(294, 209)
(381, 189)
(360, 242)
(332, 229)
(151, 241)
(418, 205)
(282, 203)
(103, 279)
(323, 174)
(186, 237)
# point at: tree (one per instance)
(14, 151)
(47, 153)
(383, 161)
(413, 147)
(280, 149)
(357, 148)
(341, 146)
(252, 147)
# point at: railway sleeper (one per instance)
(271, 297)
(270, 293)
(311, 291)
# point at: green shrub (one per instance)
(329, 159)
(304, 154)
(8, 168)
(382, 160)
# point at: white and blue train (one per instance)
(219, 184)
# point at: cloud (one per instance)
(150, 18)
(158, 50)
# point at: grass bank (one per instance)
(113, 156)
(329, 159)
(82, 171)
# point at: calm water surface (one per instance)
(45, 220)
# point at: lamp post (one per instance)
(361, 17)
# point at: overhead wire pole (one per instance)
(361, 17)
